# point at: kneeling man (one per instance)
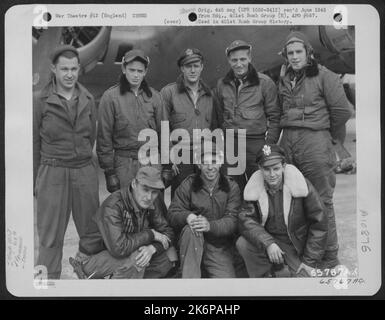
(129, 236)
(204, 212)
(284, 221)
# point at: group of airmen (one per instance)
(277, 215)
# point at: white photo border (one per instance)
(18, 159)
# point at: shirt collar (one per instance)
(190, 90)
(75, 94)
(140, 91)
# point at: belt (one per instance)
(65, 163)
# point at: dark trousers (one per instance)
(195, 253)
(253, 145)
(313, 154)
(125, 169)
(103, 264)
(60, 191)
(258, 263)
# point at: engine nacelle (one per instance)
(340, 42)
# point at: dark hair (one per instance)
(66, 54)
(125, 86)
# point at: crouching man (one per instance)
(204, 212)
(283, 222)
(129, 236)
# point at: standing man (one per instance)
(248, 100)
(204, 214)
(314, 109)
(125, 109)
(285, 220)
(129, 235)
(66, 179)
(188, 104)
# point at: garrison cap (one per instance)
(237, 45)
(270, 155)
(190, 55)
(135, 54)
(60, 49)
(150, 176)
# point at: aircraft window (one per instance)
(123, 48)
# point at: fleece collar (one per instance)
(311, 70)
(252, 77)
(294, 186)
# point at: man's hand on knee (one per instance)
(201, 224)
(275, 254)
(162, 238)
(191, 218)
(145, 255)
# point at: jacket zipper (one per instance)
(195, 107)
(211, 198)
(73, 124)
(137, 106)
(236, 99)
(237, 92)
(288, 225)
(292, 88)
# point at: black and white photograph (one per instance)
(213, 156)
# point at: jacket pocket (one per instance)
(52, 125)
(147, 115)
(178, 119)
(251, 113)
(228, 102)
(295, 114)
(301, 233)
(121, 123)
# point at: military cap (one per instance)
(237, 45)
(62, 48)
(150, 176)
(270, 155)
(190, 55)
(135, 54)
